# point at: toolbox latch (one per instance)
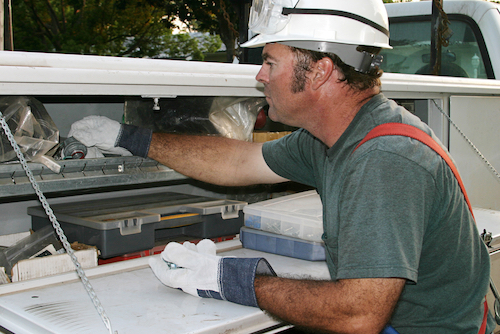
(230, 211)
(130, 226)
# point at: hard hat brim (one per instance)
(262, 40)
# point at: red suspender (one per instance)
(400, 129)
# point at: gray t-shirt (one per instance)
(393, 208)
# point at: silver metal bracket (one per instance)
(487, 238)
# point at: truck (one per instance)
(461, 104)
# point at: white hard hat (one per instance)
(337, 26)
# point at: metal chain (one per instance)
(490, 166)
(231, 27)
(444, 29)
(48, 210)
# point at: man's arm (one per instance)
(213, 159)
(345, 306)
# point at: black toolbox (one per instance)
(122, 225)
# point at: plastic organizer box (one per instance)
(282, 245)
(299, 216)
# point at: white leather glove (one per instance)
(201, 273)
(98, 131)
(109, 136)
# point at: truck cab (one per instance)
(467, 50)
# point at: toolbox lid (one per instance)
(304, 208)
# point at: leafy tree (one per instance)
(136, 28)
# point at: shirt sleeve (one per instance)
(292, 157)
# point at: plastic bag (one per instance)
(232, 117)
(32, 127)
(235, 117)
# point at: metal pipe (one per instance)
(8, 34)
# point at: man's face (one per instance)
(277, 75)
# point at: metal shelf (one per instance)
(83, 174)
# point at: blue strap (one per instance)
(389, 330)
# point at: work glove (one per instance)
(109, 136)
(197, 270)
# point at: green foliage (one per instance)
(182, 46)
(214, 16)
(139, 28)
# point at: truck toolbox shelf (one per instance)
(83, 174)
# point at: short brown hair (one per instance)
(356, 80)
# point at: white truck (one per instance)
(73, 86)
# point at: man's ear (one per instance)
(322, 72)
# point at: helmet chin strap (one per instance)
(362, 61)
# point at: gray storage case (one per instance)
(123, 225)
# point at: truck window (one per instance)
(411, 53)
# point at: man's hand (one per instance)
(96, 131)
(201, 273)
(191, 268)
(109, 136)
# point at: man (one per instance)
(402, 246)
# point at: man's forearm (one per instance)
(212, 159)
(346, 306)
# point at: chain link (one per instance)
(490, 166)
(48, 210)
